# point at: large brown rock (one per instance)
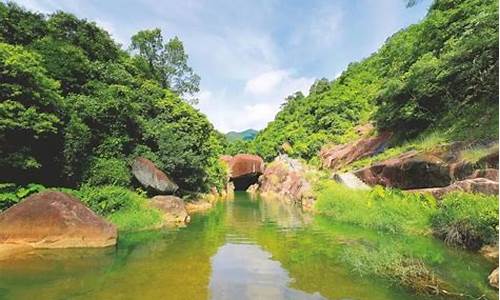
(339, 156)
(411, 170)
(474, 185)
(285, 178)
(151, 177)
(246, 164)
(173, 209)
(244, 169)
(54, 220)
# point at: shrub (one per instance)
(11, 194)
(381, 209)
(109, 171)
(105, 200)
(127, 209)
(467, 220)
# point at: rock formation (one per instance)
(151, 177)
(173, 209)
(53, 219)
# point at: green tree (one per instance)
(30, 119)
(164, 62)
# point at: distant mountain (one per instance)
(246, 135)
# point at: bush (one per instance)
(11, 194)
(127, 209)
(105, 200)
(467, 220)
(381, 209)
(109, 171)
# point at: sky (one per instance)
(251, 54)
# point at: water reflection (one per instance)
(242, 249)
(245, 271)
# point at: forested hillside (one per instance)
(76, 108)
(438, 76)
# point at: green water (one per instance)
(242, 249)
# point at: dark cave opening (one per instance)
(243, 182)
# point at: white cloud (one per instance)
(255, 105)
(265, 82)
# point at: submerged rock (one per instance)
(151, 177)
(198, 206)
(173, 209)
(53, 219)
(490, 252)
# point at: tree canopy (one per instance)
(441, 73)
(75, 108)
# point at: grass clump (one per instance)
(382, 209)
(390, 264)
(467, 220)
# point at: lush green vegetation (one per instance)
(439, 75)
(467, 220)
(381, 209)
(76, 109)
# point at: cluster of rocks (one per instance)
(53, 219)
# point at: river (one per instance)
(248, 248)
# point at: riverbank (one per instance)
(248, 247)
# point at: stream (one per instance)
(248, 248)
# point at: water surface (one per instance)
(248, 248)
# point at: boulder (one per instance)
(244, 170)
(173, 209)
(490, 252)
(474, 185)
(411, 170)
(246, 164)
(339, 156)
(285, 178)
(53, 219)
(197, 206)
(489, 161)
(491, 174)
(350, 180)
(493, 278)
(151, 177)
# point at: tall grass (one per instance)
(467, 220)
(381, 209)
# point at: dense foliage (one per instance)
(440, 74)
(467, 220)
(75, 108)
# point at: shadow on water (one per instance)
(249, 248)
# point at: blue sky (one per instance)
(251, 54)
